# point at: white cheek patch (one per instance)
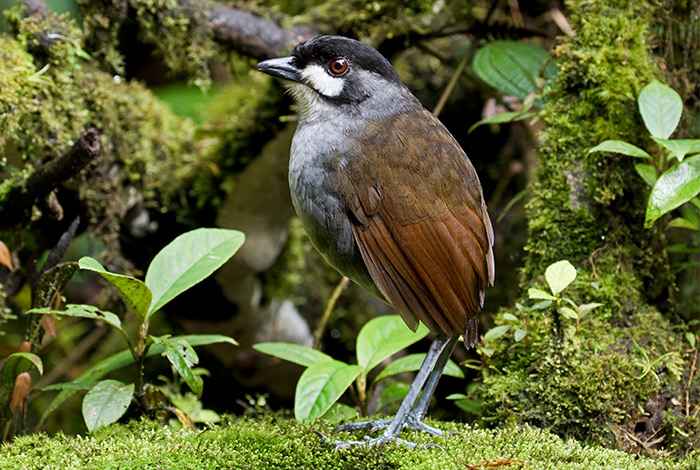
(318, 78)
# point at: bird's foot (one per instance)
(385, 438)
(412, 422)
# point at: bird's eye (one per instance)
(338, 66)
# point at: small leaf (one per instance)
(519, 334)
(411, 363)
(680, 147)
(383, 336)
(680, 222)
(5, 257)
(676, 186)
(106, 403)
(647, 172)
(661, 108)
(619, 146)
(187, 260)
(182, 357)
(339, 412)
(559, 275)
(569, 313)
(539, 294)
(495, 333)
(296, 353)
(137, 295)
(320, 386)
(510, 317)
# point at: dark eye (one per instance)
(338, 66)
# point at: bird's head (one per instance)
(337, 71)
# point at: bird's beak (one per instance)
(280, 67)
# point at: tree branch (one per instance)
(16, 205)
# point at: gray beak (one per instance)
(280, 67)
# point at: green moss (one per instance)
(273, 443)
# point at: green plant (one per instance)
(674, 179)
(184, 262)
(325, 379)
(518, 69)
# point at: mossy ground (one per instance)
(272, 443)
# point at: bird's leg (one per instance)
(420, 409)
(394, 426)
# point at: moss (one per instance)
(244, 443)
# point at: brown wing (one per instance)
(421, 223)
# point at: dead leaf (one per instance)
(5, 257)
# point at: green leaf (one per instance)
(187, 260)
(85, 311)
(123, 359)
(135, 292)
(106, 403)
(15, 364)
(182, 357)
(519, 334)
(394, 393)
(339, 412)
(495, 333)
(676, 186)
(513, 67)
(647, 172)
(661, 108)
(569, 313)
(411, 363)
(619, 146)
(320, 386)
(559, 275)
(296, 353)
(680, 222)
(539, 294)
(510, 116)
(680, 147)
(383, 336)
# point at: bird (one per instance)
(390, 200)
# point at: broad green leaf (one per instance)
(106, 403)
(296, 353)
(647, 172)
(383, 336)
(137, 295)
(182, 357)
(539, 294)
(519, 334)
(495, 333)
(339, 412)
(680, 147)
(394, 393)
(85, 311)
(661, 108)
(187, 260)
(15, 364)
(510, 116)
(619, 146)
(559, 275)
(320, 386)
(513, 67)
(676, 186)
(411, 363)
(123, 359)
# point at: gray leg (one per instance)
(436, 351)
